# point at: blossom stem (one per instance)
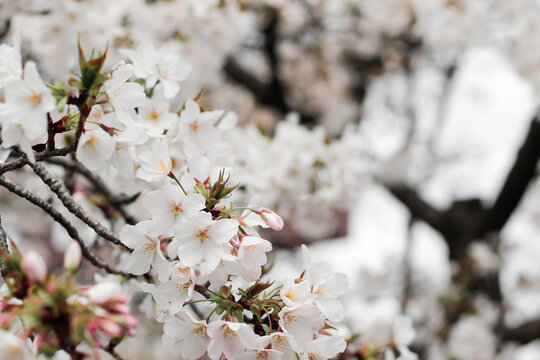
(172, 176)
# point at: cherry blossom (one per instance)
(191, 335)
(171, 205)
(146, 250)
(230, 339)
(156, 163)
(203, 240)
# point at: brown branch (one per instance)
(417, 206)
(116, 201)
(22, 161)
(523, 333)
(3, 246)
(66, 224)
(517, 181)
(271, 94)
(63, 194)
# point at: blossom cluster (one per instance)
(196, 246)
(57, 314)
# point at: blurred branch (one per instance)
(77, 210)
(517, 181)
(273, 93)
(66, 224)
(5, 29)
(116, 201)
(523, 333)
(417, 206)
(3, 246)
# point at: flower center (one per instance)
(202, 235)
(228, 333)
(290, 318)
(291, 295)
(199, 330)
(321, 291)
(161, 167)
(175, 208)
(194, 126)
(149, 247)
(35, 97)
(91, 142)
(154, 115)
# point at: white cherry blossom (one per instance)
(170, 205)
(301, 322)
(230, 339)
(155, 164)
(190, 335)
(204, 241)
(324, 347)
(252, 255)
(146, 250)
(23, 116)
(123, 95)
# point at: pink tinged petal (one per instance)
(34, 267)
(72, 256)
(138, 262)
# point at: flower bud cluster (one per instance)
(54, 311)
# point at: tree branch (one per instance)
(22, 161)
(271, 94)
(64, 196)
(116, 201)
(3, 246)
(59, 218)
(519, 177)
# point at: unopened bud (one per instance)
(34, 267)
(109, 327)
(271, 219)
(72, 256)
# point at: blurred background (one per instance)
(399, 138)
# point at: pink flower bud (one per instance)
(109, 327)
(271, 219)
(72, 256)
(34, 267)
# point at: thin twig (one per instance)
(111, 350)
(3, 246)
(99, 185)
(22, 161)
(59, 218)
(77, 210)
